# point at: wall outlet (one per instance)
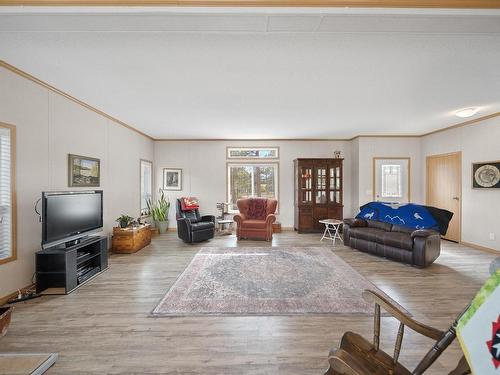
(492, 236)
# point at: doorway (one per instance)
(444, 189)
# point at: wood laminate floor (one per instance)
(104, 328)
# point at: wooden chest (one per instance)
(130, 240)
(276, 227)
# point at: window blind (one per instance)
(5, 194)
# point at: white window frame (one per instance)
(276, 149)
(12, 199)
(142, 162)
(275, 165)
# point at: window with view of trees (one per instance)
(251, 180)
(146, 184)
(252, 152)
(7, 194)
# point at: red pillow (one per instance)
(189, 203)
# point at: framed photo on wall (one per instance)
(84, 171)
(486, 175)
(172, 179)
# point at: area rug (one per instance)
(267, 281)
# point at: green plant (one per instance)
(124, 220)
(159, 210)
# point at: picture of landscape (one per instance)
(84, 171)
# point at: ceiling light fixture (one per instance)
(467, 112)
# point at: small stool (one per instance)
(331, 225)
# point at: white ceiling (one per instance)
(264, 73)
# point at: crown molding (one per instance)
(252, 140)
(467, 4)
(28, 76)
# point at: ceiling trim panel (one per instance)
(470, 4)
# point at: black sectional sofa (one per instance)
(419, 247)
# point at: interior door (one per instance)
(444, 181)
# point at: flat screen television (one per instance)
(68, 216)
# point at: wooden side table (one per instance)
(132, 239)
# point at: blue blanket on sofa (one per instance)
(408, 215)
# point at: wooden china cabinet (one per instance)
(318, 193)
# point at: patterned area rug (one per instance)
(266, 281)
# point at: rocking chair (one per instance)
(357, 356)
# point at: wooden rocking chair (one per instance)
(357, 356)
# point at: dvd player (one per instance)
(86, 273)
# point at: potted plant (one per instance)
(159, 212)
(124, 220)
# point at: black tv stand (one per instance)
(70, 244)
(61, 269)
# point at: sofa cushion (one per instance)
(256, 224)
(402, 229)
(398, 240)
(191, 215)
(257, 208)
(202, 225)
(367, 234)
(355, 222)
(379, 225)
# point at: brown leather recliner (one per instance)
(256, 218)
(418, 247)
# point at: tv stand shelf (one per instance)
(58, 268)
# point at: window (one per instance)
(253, 152)
(391, 181)
(251, 180)
(7, 194)
(146, 185)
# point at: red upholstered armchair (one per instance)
(256, 218)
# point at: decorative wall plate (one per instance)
(486, 175)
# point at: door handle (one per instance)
(456, 198)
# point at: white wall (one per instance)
(370, 147)
(49, 126)
(480, 208)
(204, 170)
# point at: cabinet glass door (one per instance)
(335, 185)
(306, 185)
(321, 185)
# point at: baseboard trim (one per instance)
(482, 248)
(4, 299)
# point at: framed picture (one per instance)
(486, 175)
(172, 178)
(84, 171)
